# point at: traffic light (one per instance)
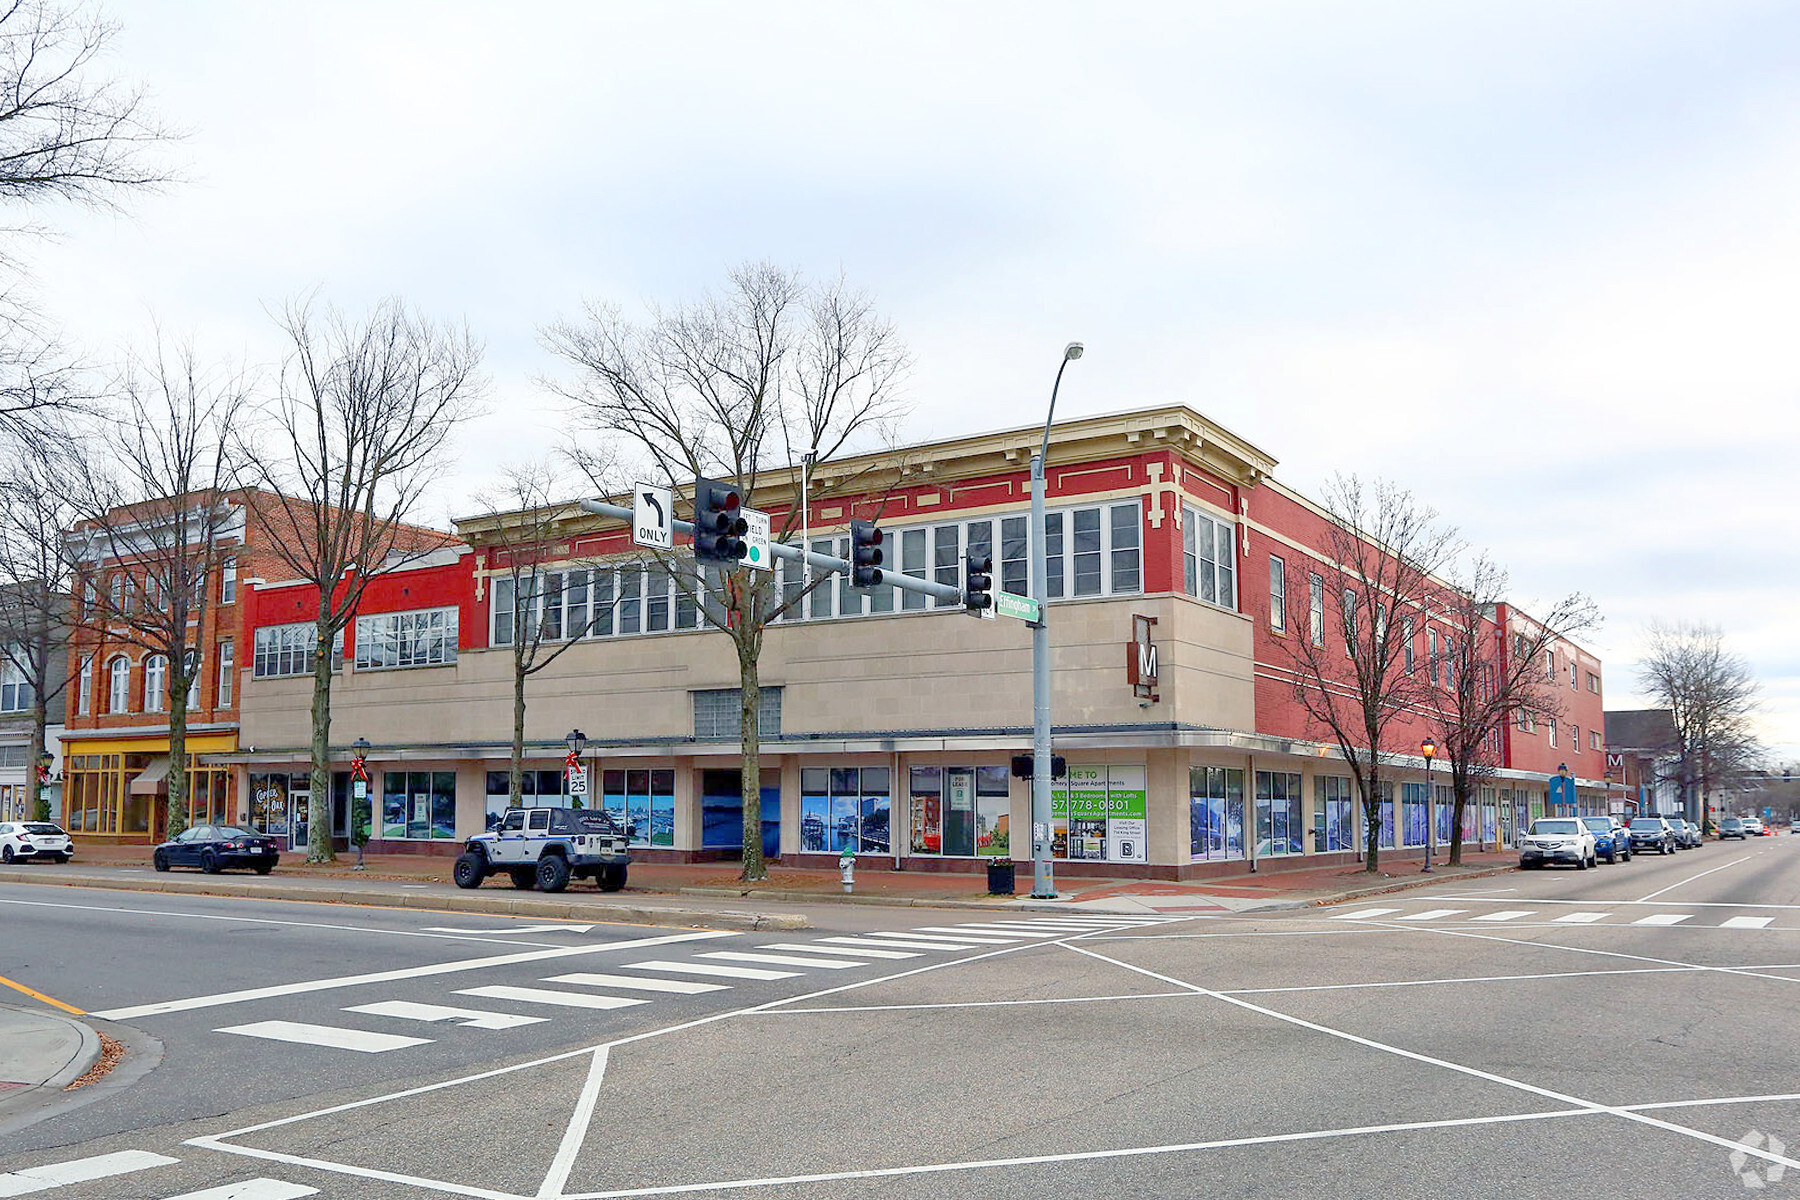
(719, 524)
(978, 585)
(865, 554)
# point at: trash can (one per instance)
(1000, 877)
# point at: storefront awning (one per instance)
(153, 780)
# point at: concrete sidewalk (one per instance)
(711, 894)
(41, 1053)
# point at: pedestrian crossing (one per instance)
(632, 984)
(1527, 916)
(51, 1176)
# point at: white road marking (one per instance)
(575, 1132)
(860, 1008)
(80, 1170)
(1745, 922)
(469, 1018)
(868, 950)
(1664, 919)
(513, 929)
(907, 943)
(1734, 862)
(783, 960)
(1433, 915)
(1363, 914)
(342, 981)
(983, 937)
(1511, 914)
(1651, 903)
(252, 1189)
(1582, 918)
(501, 991)
(986, 929)
(708, 969)
(677, 987)
(330, 1036)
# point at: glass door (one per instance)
(299, 799)
(959, 812)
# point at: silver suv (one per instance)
(1557, 839)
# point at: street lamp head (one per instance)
(1073, 351)
(360, 747)
(1428, 748)
(577, 741)
(46, 758)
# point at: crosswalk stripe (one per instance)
(469, 1018)
(994, 929)
(782, 960)
(80, 1170)
(1512, 914)
(501, 991)
(709, 969)
(330, 1036)
(1432, 915)
(1364, 914)
(1582, 918)
(885, 941)
(678, 987)
(1746, 923)
(252, 1189)
(867, 951)
(983, 937)
(1663, 919)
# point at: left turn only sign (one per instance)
(653, 517)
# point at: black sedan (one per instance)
(215, 848)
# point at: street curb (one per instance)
(74, 1069)
(1404, 885)
(501, 903)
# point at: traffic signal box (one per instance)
(978, 585)
(719, 524)
(865, 554)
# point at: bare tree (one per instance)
(34, 587)
(1347, 658)
(152, 486)
(532, 519)
(1712, 695)
(1484, 686)
(736, 385)
(354, 437)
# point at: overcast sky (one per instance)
(1537, 260)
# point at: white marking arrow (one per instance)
(511, 929)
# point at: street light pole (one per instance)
(1043, 880)
(1429, 749)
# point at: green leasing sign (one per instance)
(1008, 605)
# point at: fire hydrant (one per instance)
(847, 868)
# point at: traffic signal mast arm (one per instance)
(822, 562)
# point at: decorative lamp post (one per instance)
(40, 804)
(1428, 748)
(1043, 881)
(359, 797)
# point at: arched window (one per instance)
(118, 680)
(156, 683)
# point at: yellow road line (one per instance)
(16, 986)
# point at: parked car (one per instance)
(1557, 839)
(1753, 826)
(215, 848)
(1691, 831)
(21, 840)
(1612, 841)
(546, 847)
(1732, 827)
(1652, 835)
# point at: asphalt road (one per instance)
(1617, 1032)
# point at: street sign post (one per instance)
(1008, 605)
(653, 517)
(756, 541)
(578, 781)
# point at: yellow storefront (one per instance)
(117, 789)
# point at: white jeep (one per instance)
(547, 847)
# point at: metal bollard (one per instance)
(847, 869)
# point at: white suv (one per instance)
(1557, 839)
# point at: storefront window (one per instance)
(1215, 813)
(722, 810)
(844, 807)
(418, 805)
(1412, 813)
(1100, 813)
(537, 789)
(993, 812)
(1278, 818)
(927, 810)
(1333, 812)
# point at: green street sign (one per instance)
(1008, 605)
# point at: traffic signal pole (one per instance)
(822, 562)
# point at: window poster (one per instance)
(1100, 813)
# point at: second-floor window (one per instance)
(15, 692)
(84, 693)
(1593, 683)
(1315, 608)
(227, 675)
(118, 684)
(423, 638)
(228, 581)
(1593, 739)
(156, 683)
(1207, 558)
(287, 650)
(1278, 593)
